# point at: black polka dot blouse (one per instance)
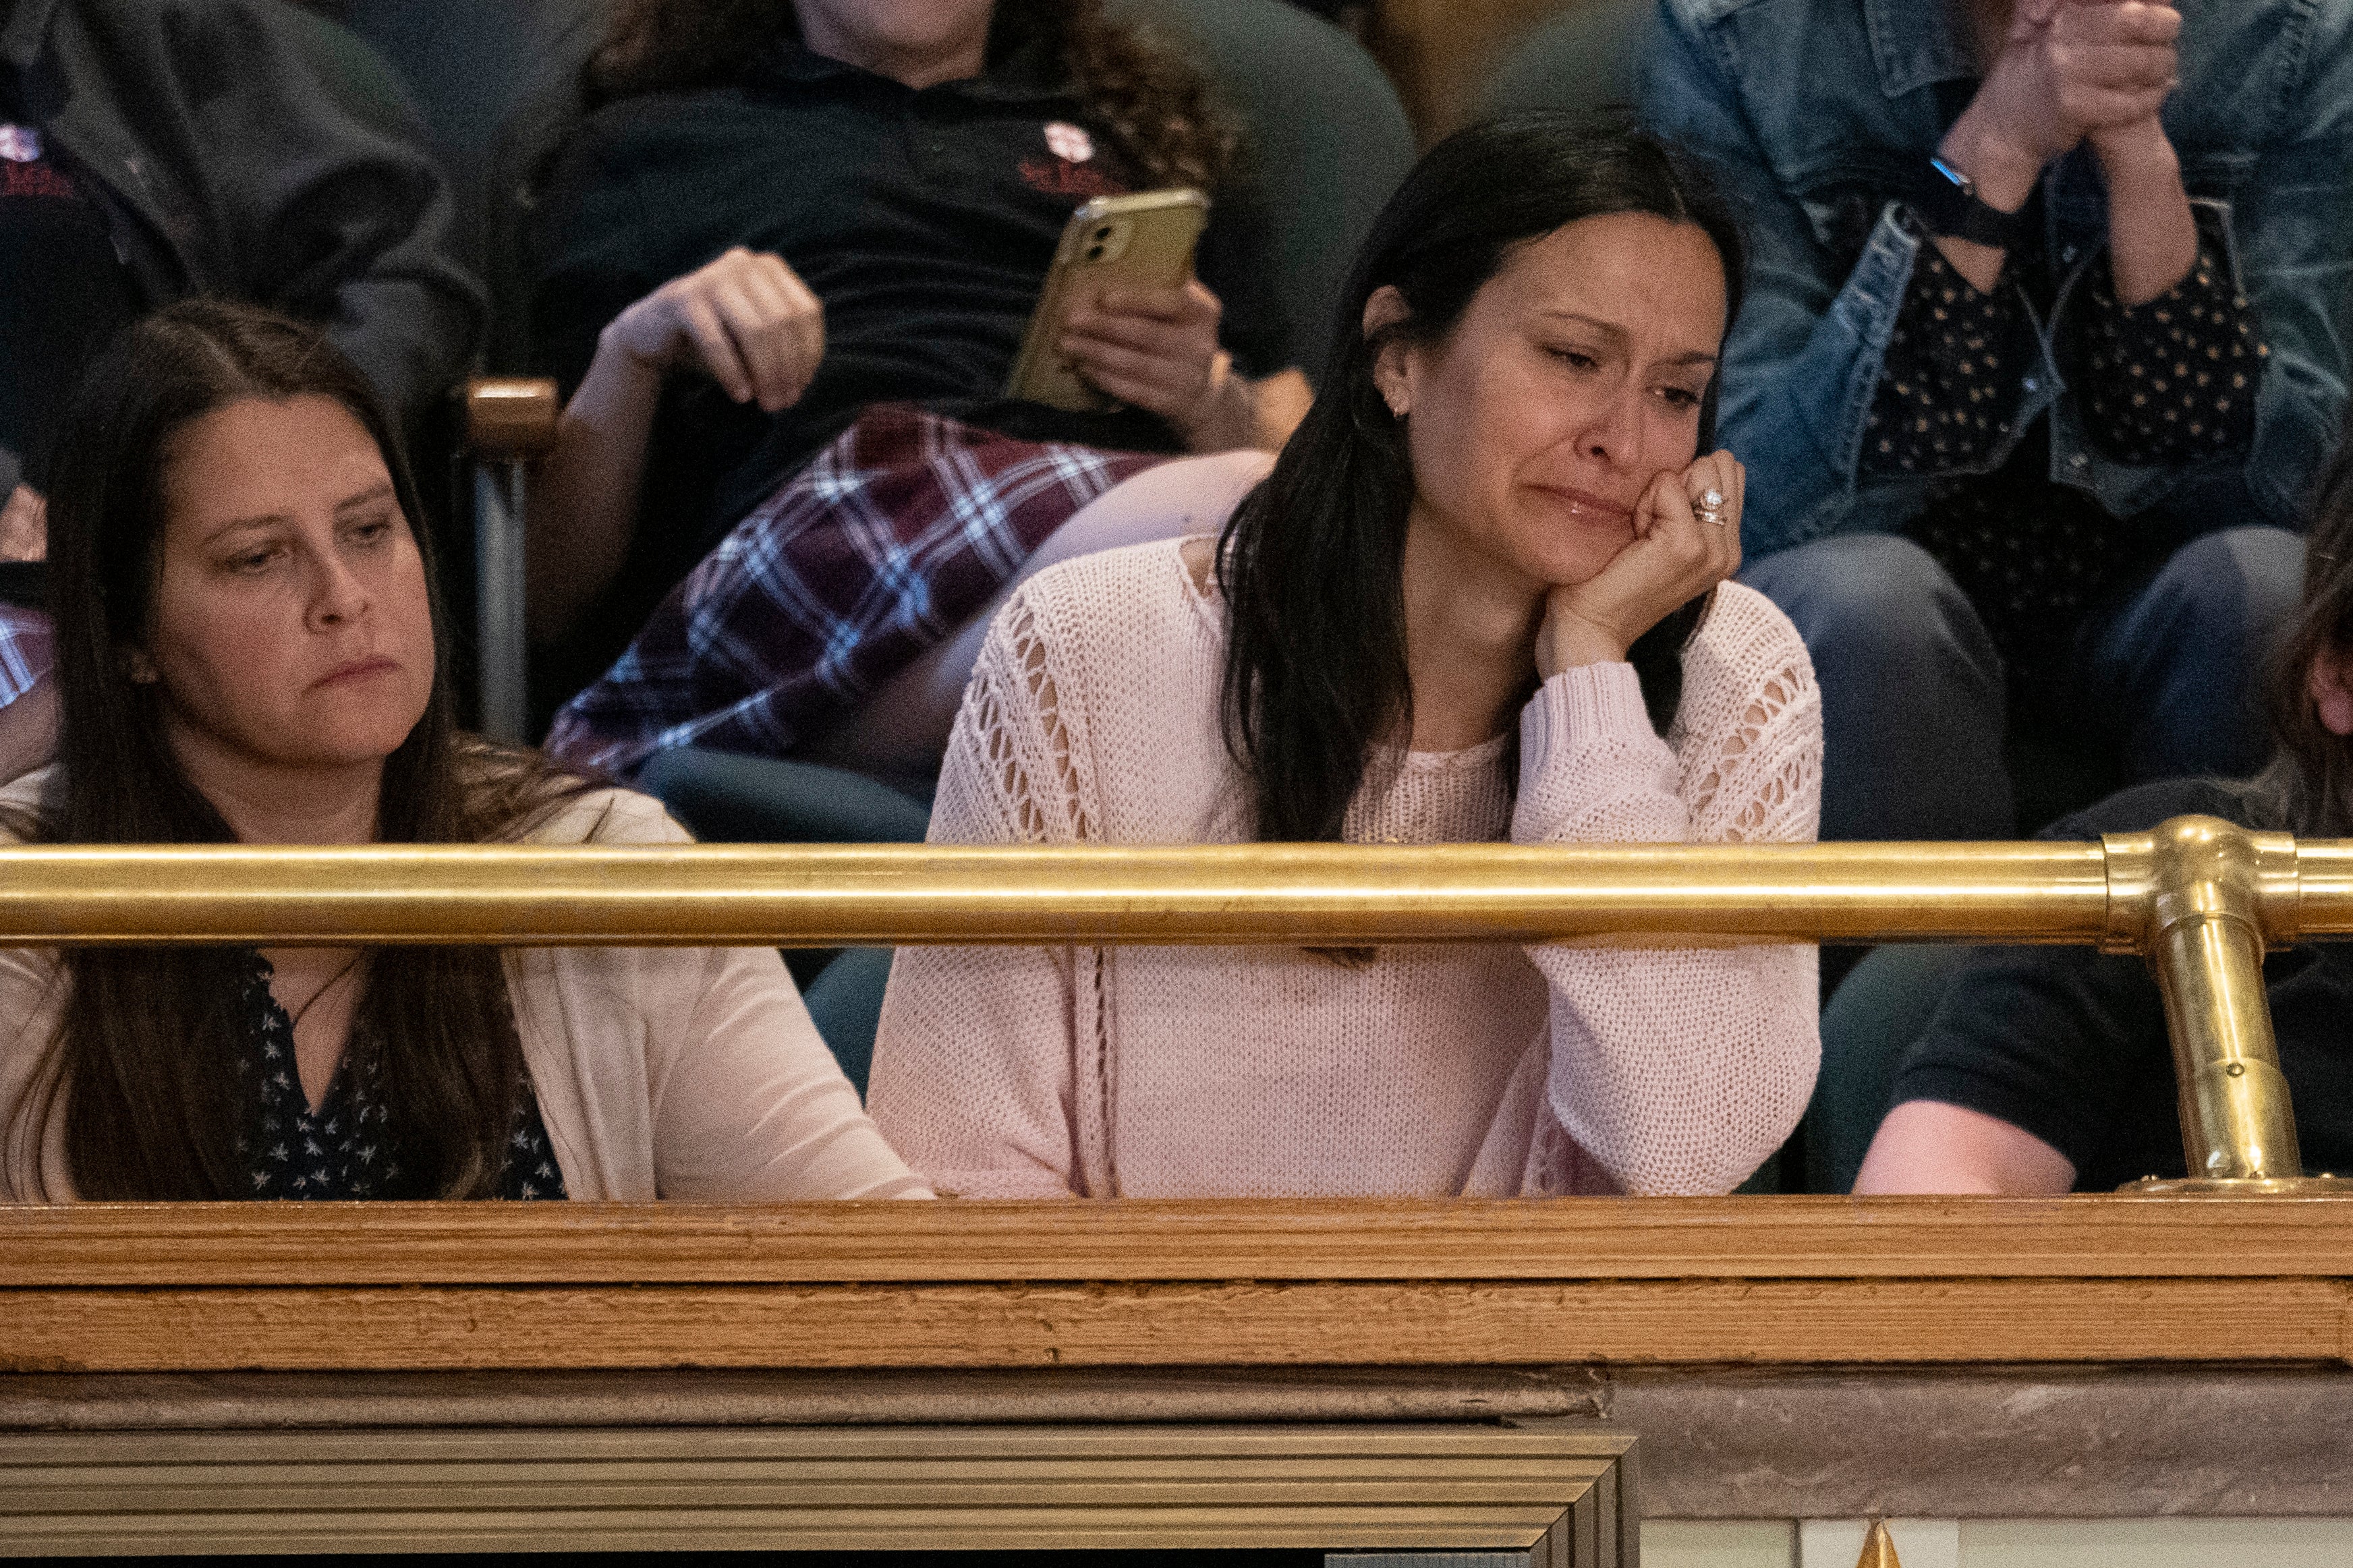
(2166, 383)
(349, 1147)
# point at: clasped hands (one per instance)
(748, 322)
(2071, 71)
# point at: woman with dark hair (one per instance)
(1486, 573)
(2039, 1070)
(788, 264)
(248, 653)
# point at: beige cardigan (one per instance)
(661, 1072)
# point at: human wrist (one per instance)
(618, 393)
(2138, 161)
(2152, 233)
(619, 355)
(2003, 171)
(1569, 641)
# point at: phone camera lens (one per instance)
(1095, 253)
(1103, 233)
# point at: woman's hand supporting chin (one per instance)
(1684, 544)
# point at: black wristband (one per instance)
(1951, 208)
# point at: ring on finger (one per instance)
(1709, 507)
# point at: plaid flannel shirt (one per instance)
(26, 651)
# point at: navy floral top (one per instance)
(348, 1148)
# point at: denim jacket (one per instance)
(1821, 116)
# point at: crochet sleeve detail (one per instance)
(1011, 758)
(1676, 1070)
(976, 1079)
(1748, 736)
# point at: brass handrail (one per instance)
(811, 895)
(2200, 897)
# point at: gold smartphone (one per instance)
(1140, 241)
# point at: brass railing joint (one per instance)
(2202, 898)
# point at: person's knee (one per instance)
(1871, 602)
(2231, 592)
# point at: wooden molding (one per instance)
(1759, 1281)
(1562, 1493)
(2105, 1237)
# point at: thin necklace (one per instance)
(332, 982)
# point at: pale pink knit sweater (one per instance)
(1165, 1072)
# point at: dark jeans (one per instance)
(2167, 672)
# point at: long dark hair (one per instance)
(1156, 107)
(1311, 566)
(143, 1062)
(2308, 787)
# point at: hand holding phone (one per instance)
(1120, 298)
(1153, 349)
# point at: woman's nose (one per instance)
(1614, 434)
(337, 595)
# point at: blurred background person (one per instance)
(2045, 1070)
(790, 262)
(151, 150)
(2045, 342)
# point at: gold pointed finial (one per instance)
(1878, 1548)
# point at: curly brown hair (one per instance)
(1154, 101)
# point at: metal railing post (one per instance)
(500, 643)
(508, 420)
(2201, 899)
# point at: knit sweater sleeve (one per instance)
(973, 1078)
(1677, 1070)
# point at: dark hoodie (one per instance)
(250, 150)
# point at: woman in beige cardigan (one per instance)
(246, 648)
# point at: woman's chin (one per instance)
(354, 740)
(1566, 562)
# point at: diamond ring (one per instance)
(1706, 508)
